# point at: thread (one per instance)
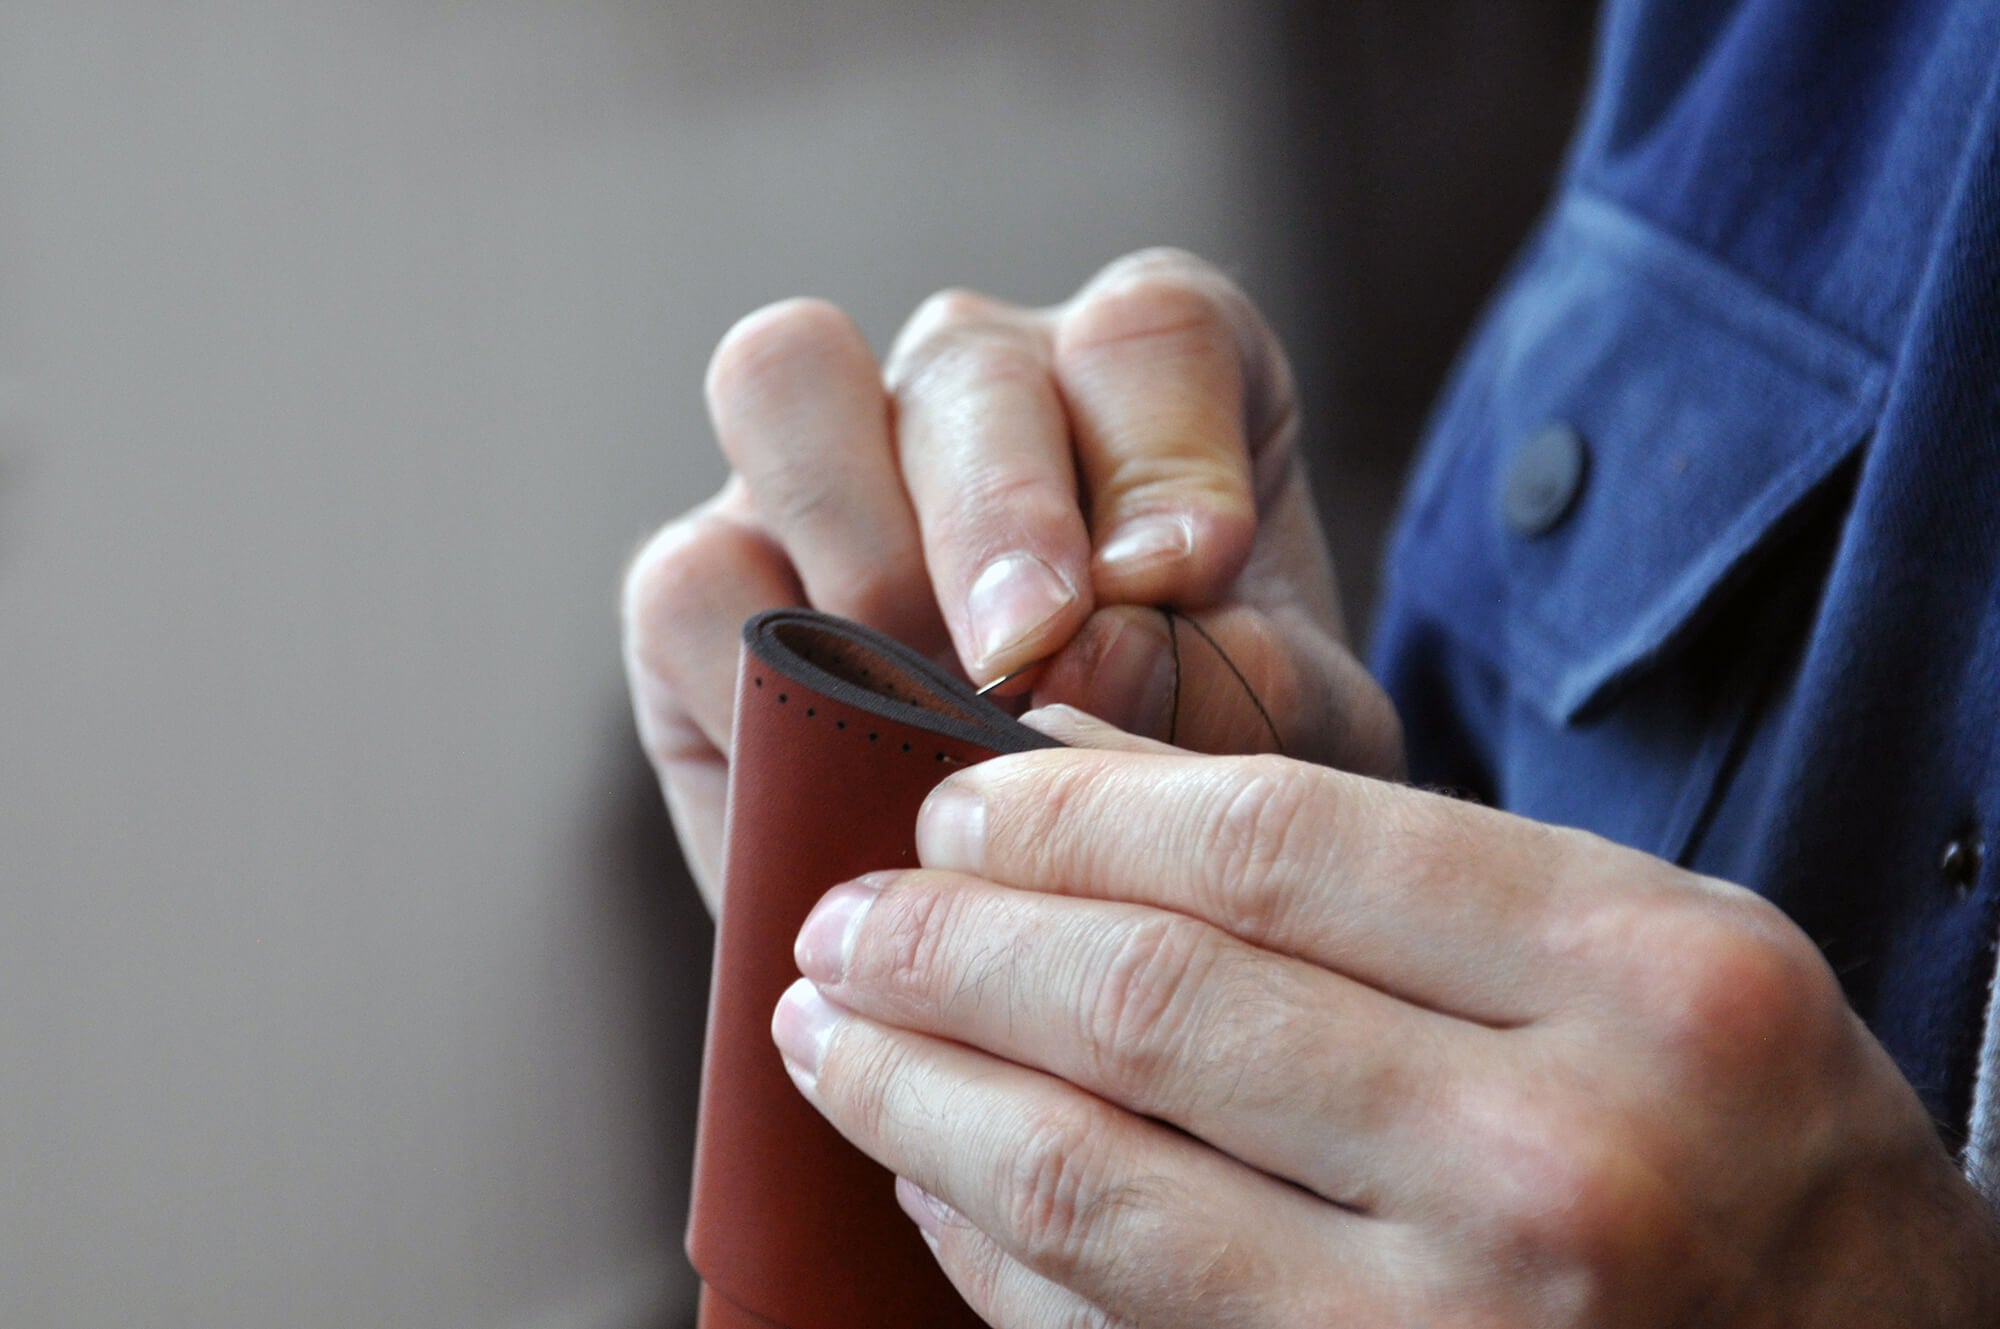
(1173, 617)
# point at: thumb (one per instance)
(1230, 680)
(1079, 729)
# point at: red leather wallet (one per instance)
(840, 733)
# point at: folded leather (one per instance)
(840, 732)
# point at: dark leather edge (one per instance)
(993, 728)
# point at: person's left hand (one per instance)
(1158, 1040)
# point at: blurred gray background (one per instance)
(348, 973)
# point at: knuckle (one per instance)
(1733, 993)
(1183, 472)
(657, 575)
(1147, 305)
(1160, 261)
(1137, 1021)
(1145, 1240)
(951, 356)
(1056, 1193)
(906, 938)
(675, 571)
(1256, 834)
(1576, 1206)
(783, 342)
(954, 306)
(1377, 1093)
(1047, 832)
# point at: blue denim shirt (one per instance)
(1763, 637)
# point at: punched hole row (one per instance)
(874, 736)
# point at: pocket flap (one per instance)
(1708, 410)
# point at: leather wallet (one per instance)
(840, 733)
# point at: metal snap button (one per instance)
(1960, 862)
(1543, 480)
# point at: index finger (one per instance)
(1389, 885)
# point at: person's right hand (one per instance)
(1014, 487)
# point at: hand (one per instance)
(1018, 486)
(1160, 1041)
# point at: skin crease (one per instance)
(1155, 1039)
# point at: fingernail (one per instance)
(803, 1025)
(951, 829)
(929, 1213)
(1015, 596)
(827, 939)
(1147, 540)
(1133, 686)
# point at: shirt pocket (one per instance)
(1710, 413)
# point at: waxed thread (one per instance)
(1173, 616)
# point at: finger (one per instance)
(797, 402)
(1005, 1292)
(1173, 382)
(1076, 729)
(683, 603)
(1000, 1288)
(1237, 680)
(985, 451)
(1442, 903)
(1115, 1208)
(1289, 1067)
